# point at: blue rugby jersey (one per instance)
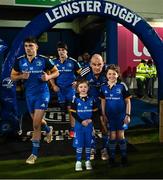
(115, 99)
(83, 108)
(67, 71)
(39, 64)
(94, 83)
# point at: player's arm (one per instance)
(15, 75)
(54, 73)
(50, 68)
(53, 85)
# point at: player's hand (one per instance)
(45, 77)
(74, 84)
(25, 75)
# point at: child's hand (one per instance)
(127, 119)
(89, 120)
(85, 123)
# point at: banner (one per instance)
(41, 2)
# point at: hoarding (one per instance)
(40, 2)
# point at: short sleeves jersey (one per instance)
(67, 71)
(36, 68)
(115, 99)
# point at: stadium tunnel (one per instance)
(115, 13)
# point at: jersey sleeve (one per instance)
(125, 91)
(77, 67)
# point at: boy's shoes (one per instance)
(112, 162)
(88, 165)
(78, 166)
(93, 152)
(124, 161)
(49, 136)
(104, 154)
(31, 159)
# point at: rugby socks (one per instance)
(88, 153)
(35, 147)
(112, 148)
(46, 128)
(123, 147)
(79, 154)
(104, 141)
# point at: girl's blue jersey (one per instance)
(115, 99)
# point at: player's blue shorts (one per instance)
(39, 101)
(65, 94)
(83, 135)
(116, 123)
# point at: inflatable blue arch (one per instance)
(74, 9)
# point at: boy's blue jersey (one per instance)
(83, 108)
(36, 68)
(94, 83)
(115, 99)
(67, 71)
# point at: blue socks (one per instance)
(46, 128)
(112, 147)
(88, 153)
(79, 154)
(35, 147)
(123, 147)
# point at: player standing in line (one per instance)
(64, 84)
(116, 108)
(83, 109)
(33, 68)
(95, 75)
